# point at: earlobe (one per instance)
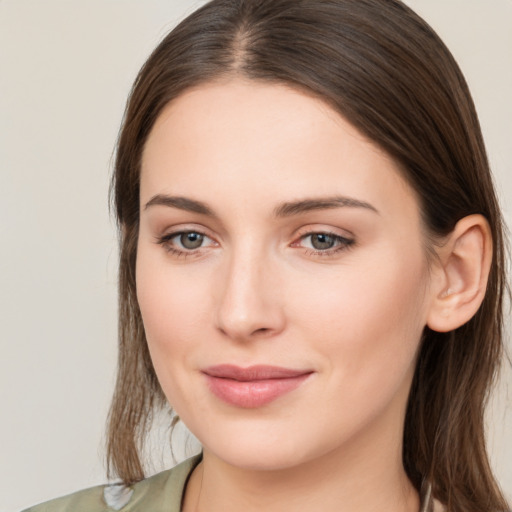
(464, 264)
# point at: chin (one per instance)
(260, 449)
(258, 458)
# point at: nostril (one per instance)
(262, 331)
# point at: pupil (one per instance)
(322, 241)
(191, 240)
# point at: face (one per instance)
(281, 275)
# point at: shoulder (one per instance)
(88, 499)
(161, 493)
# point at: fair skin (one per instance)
(273, 233)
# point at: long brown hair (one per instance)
(386, 71)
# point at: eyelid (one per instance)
(165, 240)
(344, 241)
(328, 233)
(313, 229)
(180, 233)
(177, 229)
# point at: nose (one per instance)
(250, 301)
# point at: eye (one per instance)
(185, 242)
(190, 240)
(323, 243)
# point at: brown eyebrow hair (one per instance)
(323, 203)
(182, 203)
(287, 209)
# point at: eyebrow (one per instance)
(287, 209)
(182, 203)
(306, 205)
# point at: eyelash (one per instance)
(343, 244)
(165, 242)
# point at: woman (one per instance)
(312, 266)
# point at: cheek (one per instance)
(368, 318)
(165, 302)
(173, 308)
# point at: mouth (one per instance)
(254, 386)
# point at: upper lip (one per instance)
(253, 373)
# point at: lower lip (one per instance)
(254, 393)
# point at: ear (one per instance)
(460, 279)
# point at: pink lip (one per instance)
(254, 386)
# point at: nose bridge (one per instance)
(249, 303)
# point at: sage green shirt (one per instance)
(160, 493)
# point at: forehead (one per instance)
(266, 140)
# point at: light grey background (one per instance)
(65, 71)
